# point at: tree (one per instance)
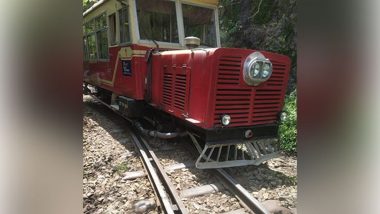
(262, 25)
(88, 3)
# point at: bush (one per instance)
(288, 126)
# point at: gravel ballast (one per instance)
(108, 153)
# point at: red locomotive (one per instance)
(160, 61)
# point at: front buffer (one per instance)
(237, 146)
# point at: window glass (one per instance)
(112, 28)
(101, 22)
(157, 20)
(91, 47)
(199, 22)
(89, 26)
(124, 25)
(95, 39)
(85, 51)
(101, 38)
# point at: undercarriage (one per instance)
(218, 148)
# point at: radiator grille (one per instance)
(245, 104)
(268, 99)
(180, 91)
(229, 70)
(174, 92)
(266, 106)
(278, 75)
(231, 99)
(167, 88)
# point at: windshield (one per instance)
(199, 22)
(157, 20)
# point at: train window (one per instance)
(89, 41)
(101, 36)
(157, 20)
(112, 28)
(199, 22)
(101, 22)
(85, 51)
(91, 47)
(124, 25)
(90, 26)
(95, 38)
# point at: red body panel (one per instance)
(205, 84)
(199, 85)
(101, 73)
(181, 83)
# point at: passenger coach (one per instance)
(160, 63)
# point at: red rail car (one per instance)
(228, 98)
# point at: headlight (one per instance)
(265, 74)
(226, 119)
(283, 116)
(267, 70)
(257, 69)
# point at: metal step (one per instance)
(233, 154)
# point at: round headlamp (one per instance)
(257, 69)
(283, 116)
(267, 70)
(226, 119)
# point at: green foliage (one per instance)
(261, 25)
(121, 168)
(288, 127)
(262, 12)
(230, 24)
(87, 4)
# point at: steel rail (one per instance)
(163, 197)
(166, 180)
(159, 179)
(242, 194)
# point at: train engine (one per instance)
(227, 100)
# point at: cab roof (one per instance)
(212, 2)
(209, 2)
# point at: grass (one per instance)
(121, 168)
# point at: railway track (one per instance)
(165, 191)
(170, 200)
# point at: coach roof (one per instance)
(208, 2)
